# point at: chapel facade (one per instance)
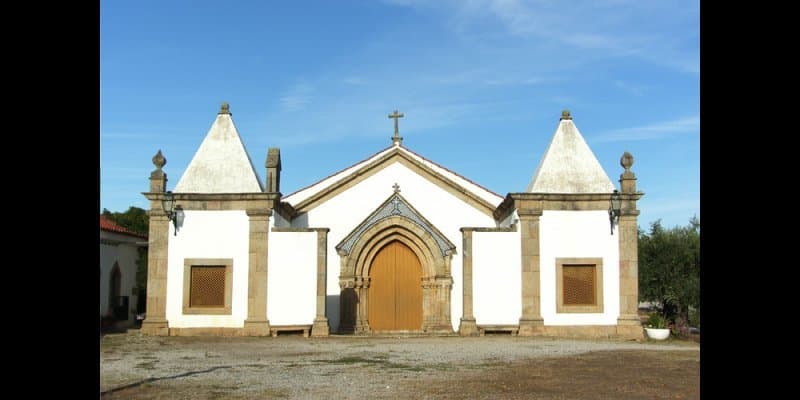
(394, 244)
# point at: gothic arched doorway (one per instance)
(395, 291)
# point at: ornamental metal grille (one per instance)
(396, 206)
(579, 284)
(208, 286)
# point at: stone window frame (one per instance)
(567, 308)
(188, 263)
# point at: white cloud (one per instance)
(297, 98)
(658, 130)
(355, 80)
(630, 88)
(613, 27)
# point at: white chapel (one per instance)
(395, 244)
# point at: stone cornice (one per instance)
(512, 228)
(155, 196)
(535, 203)
(258, 212)
(292, 229)
(218, 201)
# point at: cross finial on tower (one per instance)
(396, 187)
(396, 139)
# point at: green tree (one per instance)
(669, 269)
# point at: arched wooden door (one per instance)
(395, 289)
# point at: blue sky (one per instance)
(481, 82)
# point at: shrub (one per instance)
(656, 321)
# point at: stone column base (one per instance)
(155, 328)
(320, 327)
(531, 327)
(438, 328)
(468, 327)
(362, 326)
(256, 328)
(630, 332)
(629, 326)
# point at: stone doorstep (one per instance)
(512, 329)
(274, 329)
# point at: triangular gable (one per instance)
(395, 205)
(569, 165)
(221, 164)
(481, 198)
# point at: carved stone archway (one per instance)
(359, 248)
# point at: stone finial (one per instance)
(158, 160)
(158, 178)
(225, 108)
(628, 179)
(626, 161)
(565, 114)
(396, 187)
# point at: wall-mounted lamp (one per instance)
(174, 213)
(614, 206)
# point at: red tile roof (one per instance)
(111, 226)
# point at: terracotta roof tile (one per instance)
(111, 226)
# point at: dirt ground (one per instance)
(139, 367)
(627, 374)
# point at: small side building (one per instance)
(118, 255)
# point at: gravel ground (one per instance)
(137, 366)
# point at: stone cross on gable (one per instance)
(396, 139)
(396, 200)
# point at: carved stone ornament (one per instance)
(158, 160)
(626, 161)
(565, 114)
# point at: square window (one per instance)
(207, 284)
(579, 285)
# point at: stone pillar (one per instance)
(435, 304)
(468, 326)
(362, 302)
(628, 324)
(531, 323)
(321, 327)
(257, 323)
(155, 322)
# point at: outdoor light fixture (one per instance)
(614, 206)
(174, 213)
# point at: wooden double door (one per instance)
(395, 291)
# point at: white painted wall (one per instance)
(209, 234)
(496, 277)
(292, 278)
(578, 234)
(125, 254)
(344, 212)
